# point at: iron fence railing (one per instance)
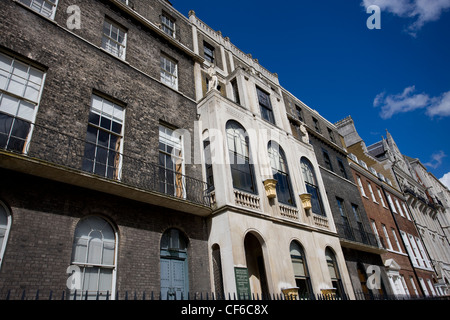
(66, 150)
(24, 294)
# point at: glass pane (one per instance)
(26, 111)
(95, 250)
(3, 217)
(299, 268)
(20, 69)
(105, 280)
(3, 79)
(5, 62)
(80, 250)
(36, 76)
(20, 129)
(9, 104)
(16, 85)
(108, 252)
(5, 124)
(90, 282)
(103, 138)
(105, 123)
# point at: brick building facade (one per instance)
(92, 151)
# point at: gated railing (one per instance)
(133, 170)
(151, 295)
(200, 296)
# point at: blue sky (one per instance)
(395, 78)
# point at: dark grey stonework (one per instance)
(44, 213)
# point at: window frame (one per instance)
(117, 168)
(178, 191)
(311, 185)
(166, 27)
(342, 168)
(30, 6)
(101, 266)
(209, 52)
(168, 77)
(301, 259)
(327, 160)
(121, 54)
(7, 229)
(279, 160)
(265, 106)
(241, 143)
(21, 99)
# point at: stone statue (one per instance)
(214, 82)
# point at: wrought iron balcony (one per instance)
(345, 231)
(60, 150)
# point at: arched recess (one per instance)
(300, 266)
(256, 264)
(334, 272)
(217, 271)
(94, 256)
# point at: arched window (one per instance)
(301, 273)
(5, 224)
(334, 272)
(242, 170)
(174, 267)
(312, 186)
(280, 173)
(94, 248)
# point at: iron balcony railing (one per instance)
(359, 234)
(68, 151)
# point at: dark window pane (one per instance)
(101, 155)
(105, 123)
(89, 151)
(116, 127)
(91, 135)
(103, 138)
(100, 169)
(20, 129)
(19, 133)
(5, 128)
(88, 165)
(94, 118)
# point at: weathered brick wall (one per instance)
(75, 68)
(44, 218)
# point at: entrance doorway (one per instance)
(255, 265)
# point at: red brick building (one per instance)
(407, 264)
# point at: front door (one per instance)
(174, 284)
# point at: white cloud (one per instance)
(436, 159)
(446, 180)
(408, 101)
(422, 11)
(400, 103)
(440, 106)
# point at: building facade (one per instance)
(261, 172)
(141, 151)
(357, 240)
(407, 263)
(437, 235)
(98, 179)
